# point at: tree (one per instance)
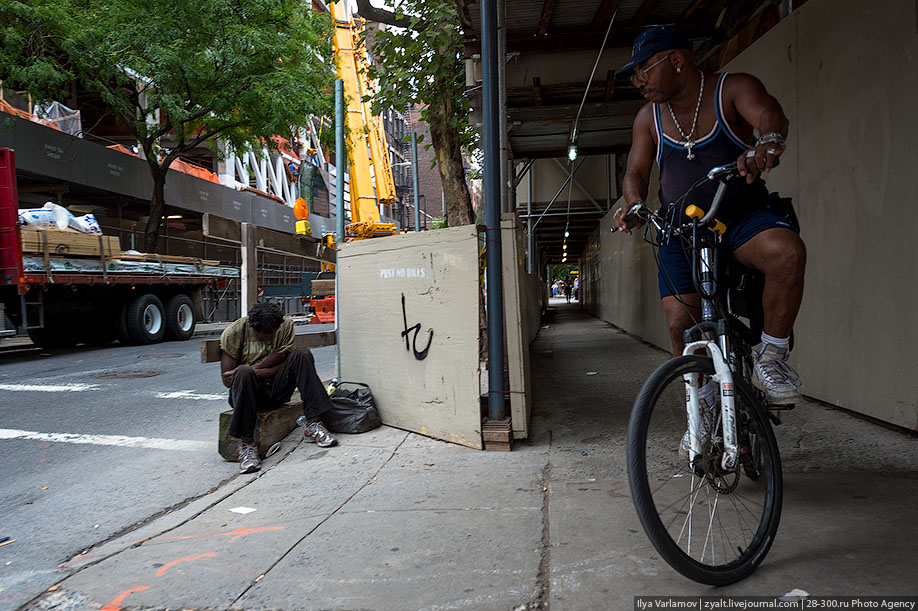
(421, 64)
(178, 73)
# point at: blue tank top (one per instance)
(720, 146)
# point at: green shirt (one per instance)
(238, 340)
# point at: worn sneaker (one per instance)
(315, 432)
(704, 432)
(248, 458)
(774, 376)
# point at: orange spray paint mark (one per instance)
(161, 571)
(235, 534)
(115, 605)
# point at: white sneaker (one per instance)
(248, 458)
(774, 376)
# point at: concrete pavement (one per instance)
(394, 520)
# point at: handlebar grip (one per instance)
(694, 212)
(719, 228)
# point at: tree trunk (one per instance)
(157, 207)
(448, 149)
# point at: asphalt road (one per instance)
(96, 441)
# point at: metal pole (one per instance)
(492, 172)
(530, 264)
(414, 180)
(341, 168)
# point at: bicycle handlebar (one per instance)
(722, 174)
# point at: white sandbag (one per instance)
(52, 216)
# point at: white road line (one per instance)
(49, 387)
(111, 440)
(190, 394)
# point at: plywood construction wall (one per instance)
(845, 74)
(408, 317)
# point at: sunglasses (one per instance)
(640, 74)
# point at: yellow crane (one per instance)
(368, 154)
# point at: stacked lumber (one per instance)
(321, 288)
(68, 244)
(155, 258)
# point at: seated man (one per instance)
(261, 368)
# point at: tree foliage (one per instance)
(420, 63)
(177, 74)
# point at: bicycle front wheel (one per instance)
(712, 524)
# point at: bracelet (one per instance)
(771, 138)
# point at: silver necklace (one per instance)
(689, 143)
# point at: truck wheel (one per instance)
(146, 321)
(119, 323)
(59, 336)
(180, 319)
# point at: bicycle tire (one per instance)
(653, 463)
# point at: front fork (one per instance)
(723, 377)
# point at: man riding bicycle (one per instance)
(696, 121)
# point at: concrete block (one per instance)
(270, 428)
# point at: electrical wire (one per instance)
(573, 137)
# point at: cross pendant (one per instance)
(688, 147)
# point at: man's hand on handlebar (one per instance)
(626, 225)
(756, 159)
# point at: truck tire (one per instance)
(58, 336)
(180, 318)
(119, 323)
(146, 320)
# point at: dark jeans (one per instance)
(249, 395)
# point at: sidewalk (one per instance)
(395, 520)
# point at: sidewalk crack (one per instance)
(316, 527)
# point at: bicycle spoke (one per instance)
(701, 516)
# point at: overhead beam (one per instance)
(610, 86)
(304, 246)
(537, 90)
(642, 13)
(580, 41)
(548, 6)
(602, 15)
(688, 12)
(567, 112)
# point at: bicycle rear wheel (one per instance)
(711, 524)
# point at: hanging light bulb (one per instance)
(565, 246)
(564, 259)
(572, 152)
(567, 234)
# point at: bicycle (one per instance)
(713, 512)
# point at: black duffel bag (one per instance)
(353, 409)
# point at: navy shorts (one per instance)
(675, 262)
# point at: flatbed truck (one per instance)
(63, 300)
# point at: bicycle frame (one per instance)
(718, 351)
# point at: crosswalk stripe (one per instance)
(155, 443)
(190, 394)
(49, 387)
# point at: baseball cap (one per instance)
(650, 42)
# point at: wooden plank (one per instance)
(156, 258)
(323, 287)
(548, 6)
(210, 348)
(602, 15)
(269, 239)
(408, 316)
(270, 427)
(68, 244)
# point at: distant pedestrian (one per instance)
(261, 368)
(567, 291)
